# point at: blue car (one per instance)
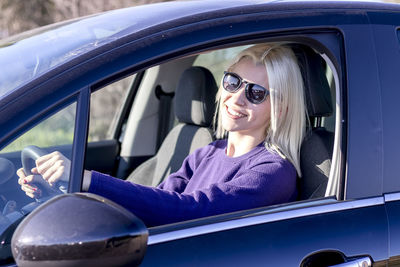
(101, 90)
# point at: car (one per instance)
(101, 90)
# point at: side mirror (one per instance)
(79, 229)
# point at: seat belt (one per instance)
(163, 113)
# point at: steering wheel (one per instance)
(28, 156)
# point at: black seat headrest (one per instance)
(194, 99)
(316, 86)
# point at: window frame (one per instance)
(328, 42)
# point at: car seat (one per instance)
(317, 147)
(194, 105)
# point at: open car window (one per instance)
(317, 154)
(143, 125)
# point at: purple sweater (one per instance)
(208, 183)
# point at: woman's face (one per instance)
(238, 114)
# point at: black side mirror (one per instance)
(79, 229)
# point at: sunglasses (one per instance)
(255, 93)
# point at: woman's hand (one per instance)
(30, 190)
(52, 167)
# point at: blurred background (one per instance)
(21, 15)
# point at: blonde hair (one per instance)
(287, 127)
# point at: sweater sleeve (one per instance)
(177, 181)
(276, 183)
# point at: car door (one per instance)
(386, 39)
(324, 233)
(313, 233)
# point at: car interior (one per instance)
(193, 106)
(194, 103)
(165, 112)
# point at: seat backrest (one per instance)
(194, 106)
(317, 147)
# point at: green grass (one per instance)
(55, 130)
(41, 137)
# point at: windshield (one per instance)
(28, 55)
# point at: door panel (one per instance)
(102, 156)
(352, 232)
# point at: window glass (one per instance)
(56, 44)
(105, 106)
(56, 130)
(54, 133)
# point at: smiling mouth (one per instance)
(234, 114)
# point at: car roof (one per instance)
(32, 54)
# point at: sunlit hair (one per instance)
(288, 112)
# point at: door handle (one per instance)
(359, 262)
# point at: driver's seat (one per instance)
(317, 147)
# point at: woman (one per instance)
(261, 110)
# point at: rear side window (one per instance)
(105, 109)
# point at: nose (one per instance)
(239, 97)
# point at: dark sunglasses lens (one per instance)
(256, 94)
(231, 82)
